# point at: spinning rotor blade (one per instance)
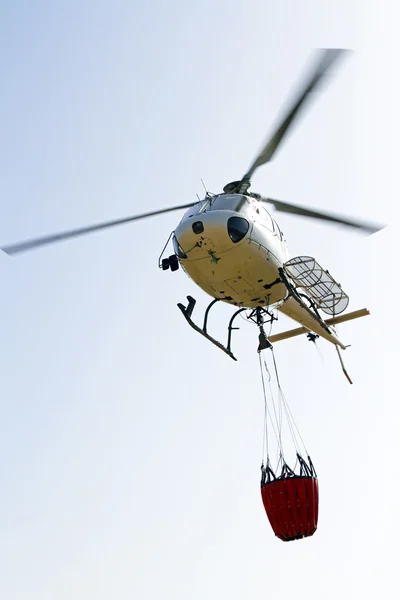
(306, 212)
(66, 235)
(328, 57)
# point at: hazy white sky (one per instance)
(130, 447)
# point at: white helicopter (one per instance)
(229, 244)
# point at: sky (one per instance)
(130, 447)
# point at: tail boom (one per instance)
(310, 322)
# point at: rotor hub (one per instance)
(237, 187)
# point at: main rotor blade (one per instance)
(328, 57)
(306, 212)
(65, 235)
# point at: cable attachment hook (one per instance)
(263, 341)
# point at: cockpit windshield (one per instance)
(233, 202)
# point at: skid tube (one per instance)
(187, 313)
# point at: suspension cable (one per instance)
(291, 421)
(267, 413)
(278, 420)
(265, 429)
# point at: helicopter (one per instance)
(231, 246)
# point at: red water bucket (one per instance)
(291, 505)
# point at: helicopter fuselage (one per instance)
(232, 248)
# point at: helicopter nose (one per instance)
(210, 233)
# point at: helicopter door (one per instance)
(264, 218)
(277, 231)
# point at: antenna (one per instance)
(209, 196)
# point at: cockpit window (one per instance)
(233, 202)
(196, 209)
(205, 206)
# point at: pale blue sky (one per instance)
(130, 446)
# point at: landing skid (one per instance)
(187, 313)
(259, 316)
